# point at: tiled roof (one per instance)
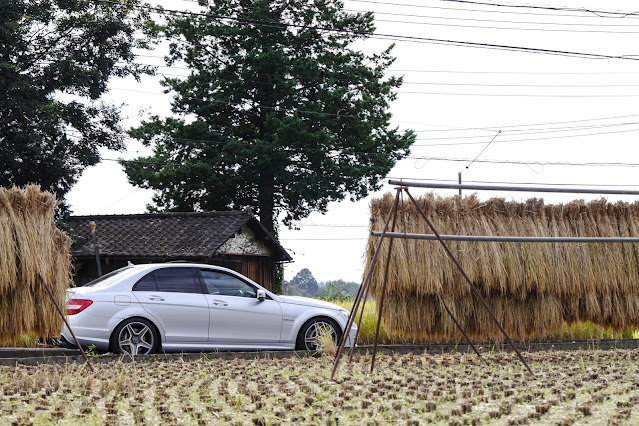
(164, 235)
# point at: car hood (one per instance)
(307, 301)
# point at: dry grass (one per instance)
(30, 244)
(533, 288)
(325, 343)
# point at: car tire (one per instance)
(307, 336)
(135, 336)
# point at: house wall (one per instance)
(260, 270)
(244, 243)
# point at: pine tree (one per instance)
(279, 112)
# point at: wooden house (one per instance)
(233, 239)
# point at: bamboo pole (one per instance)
(46, 286)
(510, 239)
(381, 299)
(351, 317)
(472, 286)
(565, 190)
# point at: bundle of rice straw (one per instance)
(532, 288)
(31, 244)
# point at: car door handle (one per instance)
(219, 302)
(156, 298)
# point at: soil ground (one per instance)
(569, 387)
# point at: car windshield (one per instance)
(105, 280)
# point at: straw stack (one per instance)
(532, 288)
(31, 244)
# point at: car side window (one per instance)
(223, 284)
(147, 283)
(175, 280)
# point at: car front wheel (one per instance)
(135, 336)
(309, 337)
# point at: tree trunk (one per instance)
(266, 193)
(266, 189)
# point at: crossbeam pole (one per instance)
(565, 190)
(508, 239)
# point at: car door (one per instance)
(237, 317)
(174, 297)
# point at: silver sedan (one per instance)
(142, 309)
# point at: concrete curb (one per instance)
(36, 356)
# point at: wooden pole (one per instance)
(381, 299)
(46, 286)
(351, 318)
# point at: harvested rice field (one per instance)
(587, 387)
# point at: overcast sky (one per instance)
(552, 118)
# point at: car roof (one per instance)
(150, 266)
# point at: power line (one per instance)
(413, 15)
(598, 13)
(522, 131)
(517, 95)
(539, 163)
(521, 140)
(416, 83)
(487, 27)
(516, 72)
(392, 37)
(566, 86)
(447, 138)
(457, 9)
(423, 158)
(494, 128)
(355, 117)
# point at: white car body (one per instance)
(195, 321)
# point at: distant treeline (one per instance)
(304, 284)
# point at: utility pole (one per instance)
(459, 179)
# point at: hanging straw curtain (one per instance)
(533, 288)
(30, 244)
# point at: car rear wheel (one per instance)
(308, 339)
(135, 336)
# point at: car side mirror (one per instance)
(261, 295)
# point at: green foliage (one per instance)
(278, 279)
(278, 114)
(338, 290)
(587, 331)
(302, 284)
(90, 352)
(55, 61)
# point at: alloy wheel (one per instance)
(314, 332)
(136, 338)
